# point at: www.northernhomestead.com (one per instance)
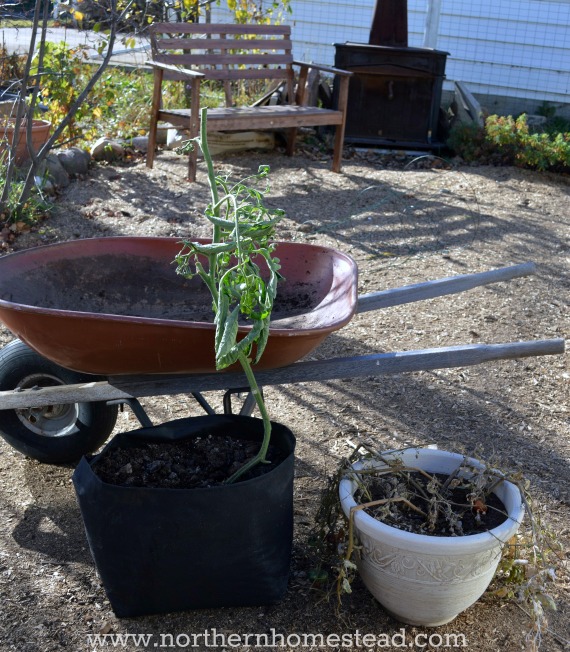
(212, 638)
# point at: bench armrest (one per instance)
(176, 69)
(323, 68)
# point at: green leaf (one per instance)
(229, 331)
(212, 248)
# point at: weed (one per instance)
(17, 216)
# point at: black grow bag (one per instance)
(162, 550)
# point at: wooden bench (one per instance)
(192, 52)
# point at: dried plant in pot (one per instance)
(421, 572)
(164, 537)
(428, 531)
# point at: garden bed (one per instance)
(404, 222)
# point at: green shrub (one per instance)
(510, 141)
(118, 106)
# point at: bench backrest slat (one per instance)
(218, 28)
(207, 59)
(233, 75)
(226, 52)
(223, 44)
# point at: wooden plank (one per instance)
(118, 388)
(247, 73)
(223, 44)
(182, 73)
(259, 117)
(204, 59)
(217, 28)
(440, 287)
(273, 121)
(220, 74)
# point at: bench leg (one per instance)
(151, 145)
(156, 103)
(338, 146)
(193, 154)
(291, 140)
(339, 132)
(192, 164)
(194, 128)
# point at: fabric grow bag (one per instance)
(163, 550)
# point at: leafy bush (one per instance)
(509, 141)
(119, 105)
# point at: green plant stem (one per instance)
(213, 183)
(261, 456)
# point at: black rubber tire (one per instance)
(58, 434)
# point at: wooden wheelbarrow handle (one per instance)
(117, 388)
(440, 287)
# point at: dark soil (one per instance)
(198, 462)
(447, 511)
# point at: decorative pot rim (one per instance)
(507, 492)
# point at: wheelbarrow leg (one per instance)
(145, 421)
(248, 405)
(203, 403)
(137, 409)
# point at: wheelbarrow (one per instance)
(106, 321)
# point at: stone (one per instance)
(54, 170)
(139, 143)
(75, 160)
(106, 149)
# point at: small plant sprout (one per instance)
(242, 228)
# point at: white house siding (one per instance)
(515, 52)
(513, 49)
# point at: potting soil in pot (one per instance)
(205, 461)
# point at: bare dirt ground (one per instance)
(403, 224)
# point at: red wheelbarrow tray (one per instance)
(115, 306)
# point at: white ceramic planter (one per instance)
(424, 580)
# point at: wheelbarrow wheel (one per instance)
(55, 434)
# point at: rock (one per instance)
(75, 160)
(54, 170)
(45, 185)
(106, 149)
(139, 143)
